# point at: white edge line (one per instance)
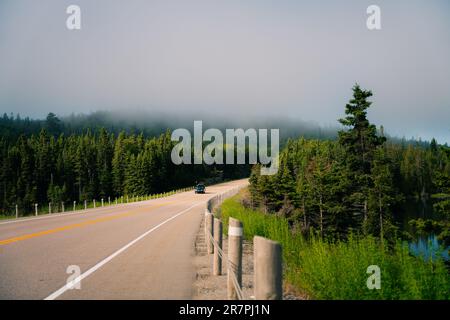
(72, 283)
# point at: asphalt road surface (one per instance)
(140, 250)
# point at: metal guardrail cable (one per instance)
(230, 270)
(239, 292)
(211, 203)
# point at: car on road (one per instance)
(200, 188)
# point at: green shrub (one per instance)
(325, 269)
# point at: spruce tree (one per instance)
(360, 141)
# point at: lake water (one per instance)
(428, 247)
(425, 246)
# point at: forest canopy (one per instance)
(356, 178)
(360, 182)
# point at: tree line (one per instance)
(359, 182)
(45, 168)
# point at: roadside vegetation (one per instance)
(339, 206)
(50, 166)
(336, 269)
(360, 182)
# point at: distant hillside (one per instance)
(153, 124)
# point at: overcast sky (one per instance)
(297, 59)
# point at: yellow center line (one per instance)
(76, 225)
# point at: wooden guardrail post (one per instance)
(62, 207)
(217, 261)
(17, 211)
(268, 269)
(209, 221)
(94, 204)
(74, 205)
(235, 232)
(35, 209)
(206, 227)
(85, 204)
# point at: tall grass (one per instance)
(337, 269)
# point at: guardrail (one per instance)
(267, 255)
(85, 205)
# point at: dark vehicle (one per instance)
(200, 188)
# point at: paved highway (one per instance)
(139, 250)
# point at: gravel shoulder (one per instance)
(210, 287)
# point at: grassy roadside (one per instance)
(44, 210)
(337, 270)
